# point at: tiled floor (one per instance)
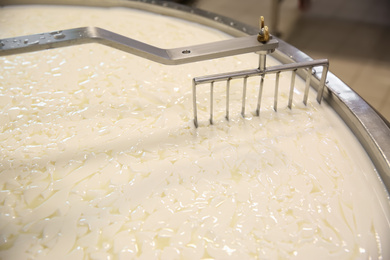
(353, 34)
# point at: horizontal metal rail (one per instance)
(175, 56)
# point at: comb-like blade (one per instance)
(245, 74)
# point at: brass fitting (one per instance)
(263, 33)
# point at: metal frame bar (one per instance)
(175, 56)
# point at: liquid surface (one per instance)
(100, 158)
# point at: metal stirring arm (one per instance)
(175, 56)
(262, 44)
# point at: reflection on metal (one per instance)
(175, 56)
(261, 71)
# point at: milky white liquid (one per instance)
(100, 158)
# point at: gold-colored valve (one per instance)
(263, 33)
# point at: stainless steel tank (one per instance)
(371, 129)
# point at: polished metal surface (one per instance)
(261, 71)
(366, 124)
(262, 44)
(77, 36)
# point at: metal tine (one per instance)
(290, 97)
(308, 78)
(211, 101)
(227, 97)
(276, 91)
(262, 64)
(321, 86)
(194, 103)
(244, 96)
(260, 95)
